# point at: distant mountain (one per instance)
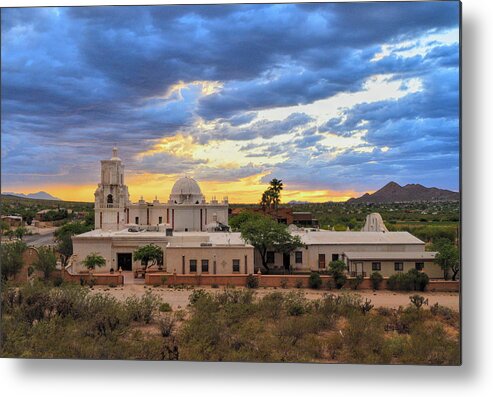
(393, 192)
(293, 202)
(37, 196)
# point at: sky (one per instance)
(335, 99)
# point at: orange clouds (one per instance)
(246, 190)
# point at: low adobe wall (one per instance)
(443, 286)
(196, 279)
(266, 280)
(99, 278)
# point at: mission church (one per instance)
(186, 210)
(196, 239)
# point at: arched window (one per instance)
(109, 199)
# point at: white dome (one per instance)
(186, 190)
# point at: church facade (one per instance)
(186, 210)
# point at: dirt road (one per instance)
(179, 298)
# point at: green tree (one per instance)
(149, 253)
(265, 234)
(46, 261)
(447, 257)
(94, 260)
(11, 255)
(244, 216)
(20, 232)
(337, 270)
(63, 238)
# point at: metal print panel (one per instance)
(238, 182)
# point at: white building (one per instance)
(364, 252)
(186, 210)
(195, 237)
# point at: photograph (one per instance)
(263, 183)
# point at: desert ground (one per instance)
(178, 298)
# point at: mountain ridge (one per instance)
(41, 195)
(392, 192)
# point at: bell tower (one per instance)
(111, 196)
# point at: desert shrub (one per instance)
(398, 282)
(340, 280)
(166, 325)
(337, 271)
(70, 301)
(315, 281)
(104, 315)
(230, 296)
(376, 279)
(284, 283)
(165, 307)
(430, 344)
(252, 281)
(366, 306)
(422, 281)
(296, 304)
(11, 297)
(57, 281)
(445, 312)
(214, 285)
(356, 282)
(418, 301)
(196, 295)
(142, 309)
(385, 311)
(271, 305)
(342, 305)
(112, 285)
(91, 282)
(413, 280)
(164, 280)
(364, 340)
(298, 284)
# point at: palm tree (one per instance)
(93, 260)
(276, 186)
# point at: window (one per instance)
(321, 261)
(419, 265)
(376, 266)
(298, 257)
(335, 257)
(137, 220)
(398, 266)
(193, 265)
(205, 266)
(160, 220)
(236, 265)
(270, 256)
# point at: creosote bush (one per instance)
(252, 281)
(239, 324)
(315, 281)
(376, 279)
(413, 280)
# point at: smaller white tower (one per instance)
(374, 223)
(111, 196)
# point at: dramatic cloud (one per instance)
(325, 96)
